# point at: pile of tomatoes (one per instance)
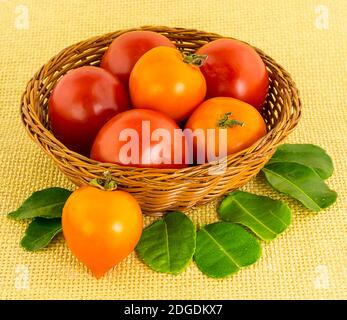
(143, 78)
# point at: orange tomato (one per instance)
(243, 122)
(162, 81)
(101, 227)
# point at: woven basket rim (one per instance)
(289, 123)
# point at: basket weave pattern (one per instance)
(159, 190)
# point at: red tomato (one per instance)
(162, 81)
(125, 50)
(234, 69)
(81, 103)
(141, 145)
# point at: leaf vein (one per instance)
(25, 210)
(251, 215)
(278, 218)
(167, 245)
(221, 248)
(293, 184)
(39, 239)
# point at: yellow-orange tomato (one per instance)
(243, 123)
(162, 81)
(101, 227)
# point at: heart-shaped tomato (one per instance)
(101, 227)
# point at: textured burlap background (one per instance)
(308, 261)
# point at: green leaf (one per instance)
(307, 154)
(301, 183)
(222, 248)
(47, 203)
(168, 244)
(266, 217)
(40, 233)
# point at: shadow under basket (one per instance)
(159, 190)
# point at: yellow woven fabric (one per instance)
(306, 37)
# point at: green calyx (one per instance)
(195, 59)
(225, 121)
(107, 184)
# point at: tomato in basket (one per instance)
(243, 123)
(126, 49)
(234, 69)
(141, 138)
(164, 80)
(81, 103)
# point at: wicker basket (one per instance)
(159, 190)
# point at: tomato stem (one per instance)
(226, 122)
(107, 183)
(194, 59)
